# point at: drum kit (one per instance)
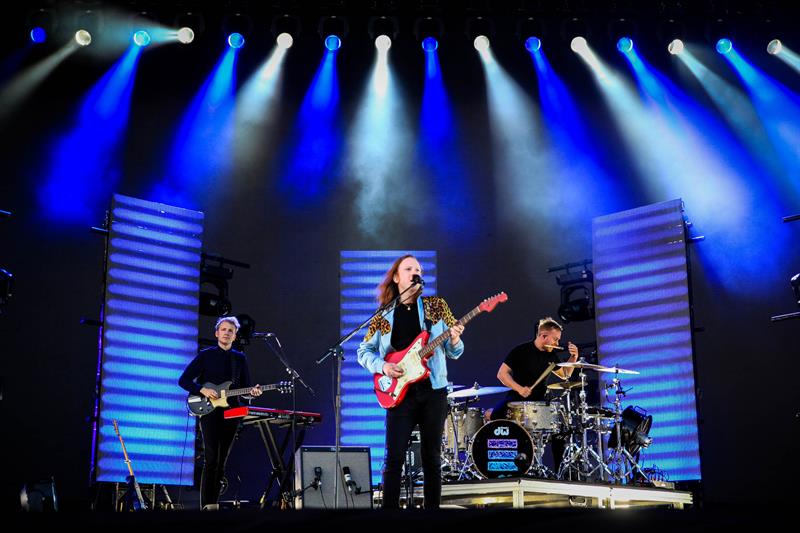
(473, 448)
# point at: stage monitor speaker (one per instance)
(315, 471)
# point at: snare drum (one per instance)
(537, 416)
(461, 424)
(501, 448)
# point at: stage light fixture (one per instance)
(238, 27)
(383, 30)
(625, 45)
(333, 30)
(774, 47)
(383, 43)
(724, 46)
(481, 43)
(533, 44)
(141, 38)
(579, 44)
(286, 29)
(83, 37)
(479, 31)
(42, 23)
(577, 295)
(430, 44)
(235, 40)
(333, 42)
(429, 31)
(285, 41)
(185, 35)
(190, 25)
(676, 47)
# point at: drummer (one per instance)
(525, 364)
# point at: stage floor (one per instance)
(522, 493)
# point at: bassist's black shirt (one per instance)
(215, 365)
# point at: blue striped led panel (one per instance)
(643, 324)
(149, 336)
(363, 419)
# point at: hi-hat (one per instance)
(477, 391)
(598, 368)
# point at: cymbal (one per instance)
(477, 391)
(564, 385)
(598, 368)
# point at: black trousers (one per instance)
(428, 408)
(218, 436)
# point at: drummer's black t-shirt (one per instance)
(527, 363)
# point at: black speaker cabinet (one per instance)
(315, 471)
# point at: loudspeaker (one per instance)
(315, 471)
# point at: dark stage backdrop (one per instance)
(747, 399)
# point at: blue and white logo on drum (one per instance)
(501, 430)
(384, 383)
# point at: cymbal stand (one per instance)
(579, 459)
(623, 465)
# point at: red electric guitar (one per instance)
(414, 359)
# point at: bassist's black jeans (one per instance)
(218, 435)
(428, 408)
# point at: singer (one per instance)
(426, 401)
(218, 364)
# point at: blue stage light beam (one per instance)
(681, 150)
(739, 112)
(84, 167)
(313, 159)
(201, 155)
(779, 109)
(447, 177)
(38, 35)
(380, 151)
(582, 183)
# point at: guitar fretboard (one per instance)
(435, 343)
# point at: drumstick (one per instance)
(554, 347)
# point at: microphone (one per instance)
(348, 478)
(417, 280)
(263, 335)
(317, 483)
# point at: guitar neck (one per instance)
(240, 392)
(438, 341)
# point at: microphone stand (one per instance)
(295, 378)
(338, 352)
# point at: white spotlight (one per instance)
(775, 46)
(579, 44)
(676, 47)
(185, 35)
(285, 40)
(383, 43)
(83, 37)
(481, 43)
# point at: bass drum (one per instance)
(501, 448)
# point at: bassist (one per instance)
(216, 365)
(425, 402)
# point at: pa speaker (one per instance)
(316, 476)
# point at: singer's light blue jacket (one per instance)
(377, 341)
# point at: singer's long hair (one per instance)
(387, 289)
